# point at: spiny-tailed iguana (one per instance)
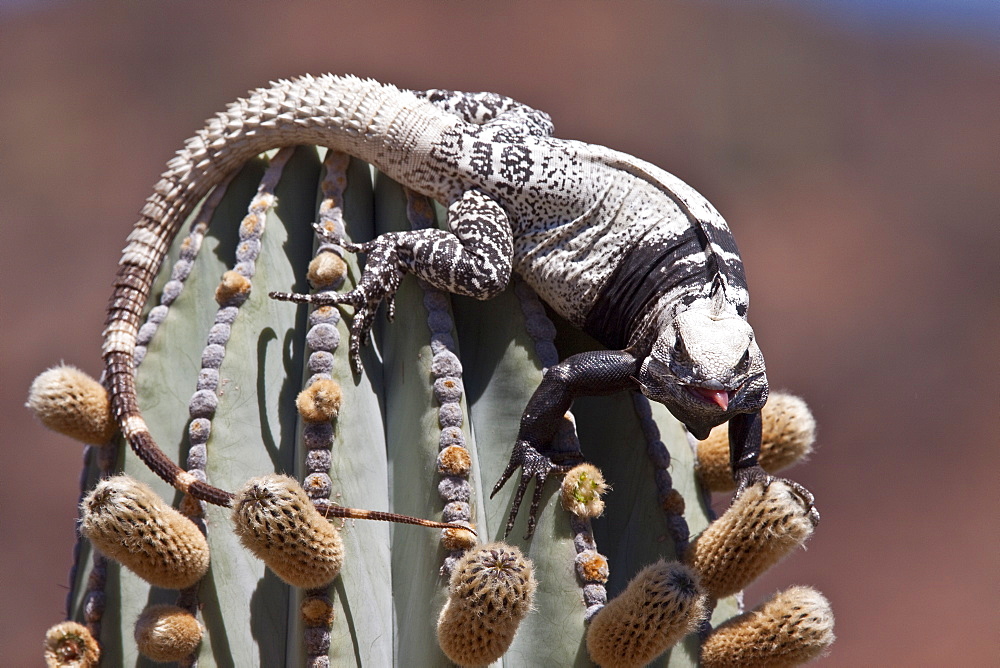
(617, 246)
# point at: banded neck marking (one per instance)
(647, 272)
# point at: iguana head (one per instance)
(705, 367)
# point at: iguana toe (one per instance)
(755, 474)
(533, 465)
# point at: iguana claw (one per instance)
(533, 464)
(379, 282)
(755, 474)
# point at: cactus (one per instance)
(237, 387)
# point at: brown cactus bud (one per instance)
(789, 431)
(761, 527)
(793, 627)
(490, 592)
(326, 269)
(661, 605)
(130, 523)
(252, 224)
(233, 286)
(317, 611)
(592, 566)
(673, 502)
(581, 491)
(72, 403)
(320, 402)
(167, 633)
(456, 538)
(276, 521)
(454, 460)
(70, 645)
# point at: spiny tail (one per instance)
(332, 510)
(365, 119)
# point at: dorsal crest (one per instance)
(718, 294)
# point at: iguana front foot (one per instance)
(533, 464)
(751, 475)
(379, 282)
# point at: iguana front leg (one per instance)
(744, 450)
(379, 282)
(586, 374)
(473, 259)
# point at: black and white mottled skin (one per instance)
(620, 248)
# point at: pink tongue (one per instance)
(721, 397)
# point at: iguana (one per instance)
(617, 246)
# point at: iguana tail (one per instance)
(389, 128)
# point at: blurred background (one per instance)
(853, 146)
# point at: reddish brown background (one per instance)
(857, 164)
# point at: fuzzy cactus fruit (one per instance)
(789, 629)
(662, 604)
(128, 522)
(71, 645)
(309, 552)
(490, 592)
(238, 387)
(761, 527)
(72, 403)
(167, 633)
(787, 438)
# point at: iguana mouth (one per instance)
(721, 398)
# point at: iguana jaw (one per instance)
(700, 403)
(720, 398)
(699, 406)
